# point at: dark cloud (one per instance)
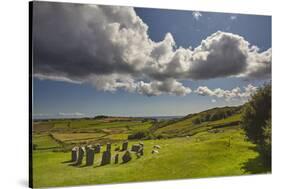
(109, 47)
(220, 55)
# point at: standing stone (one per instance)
(74, 154)
(90, 156)
(141, 143)
(108, 147)
(116, 158)
(138, 155)
(126, 157)
(106, 157)
(125, 146)
(97, 148)
(135, 147)
(140, 151)
(81, 153)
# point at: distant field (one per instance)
(44, 142)
(71, 137)
(79, 131)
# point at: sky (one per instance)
(93, 60)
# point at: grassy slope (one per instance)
(204, 155)
(185, 126)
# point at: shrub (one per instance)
(160, 136)
(140, 135)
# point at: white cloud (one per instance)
(157, 88)
(196, 15)
(233, 17)
(213, 100)
(235, 93)
(109, 47)
(113, 82)
(77, 114)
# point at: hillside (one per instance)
(65, 133)
(212, 120)
(204, 144)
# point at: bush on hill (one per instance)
(143, 134)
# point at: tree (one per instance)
(267, 142)
(256, 121)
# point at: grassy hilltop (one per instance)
(205, 144)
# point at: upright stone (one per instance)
(97, 148)
(74, 154)
(81, 153)
(90, 156)
(125, 146)
(135, 147)
(108, 147)
(140, 151)
(106, 157)
(126, 157)
(116, 158)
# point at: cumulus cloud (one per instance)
(196, 15)
(109, 47)
(157, 88)
(235, 93)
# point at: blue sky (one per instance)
(53, 98)
(190, 32)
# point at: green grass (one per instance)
(120, 136)
(204, 155)
(72, 137)
(44, 141)
(187, 127)
(83, 125)
(188, 150)
(142, 126)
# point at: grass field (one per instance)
(205, 155)
(188, 150)
(44, 141)
(72, 137)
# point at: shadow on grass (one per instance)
(256, 165)
(69, 161)
(74, 164)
